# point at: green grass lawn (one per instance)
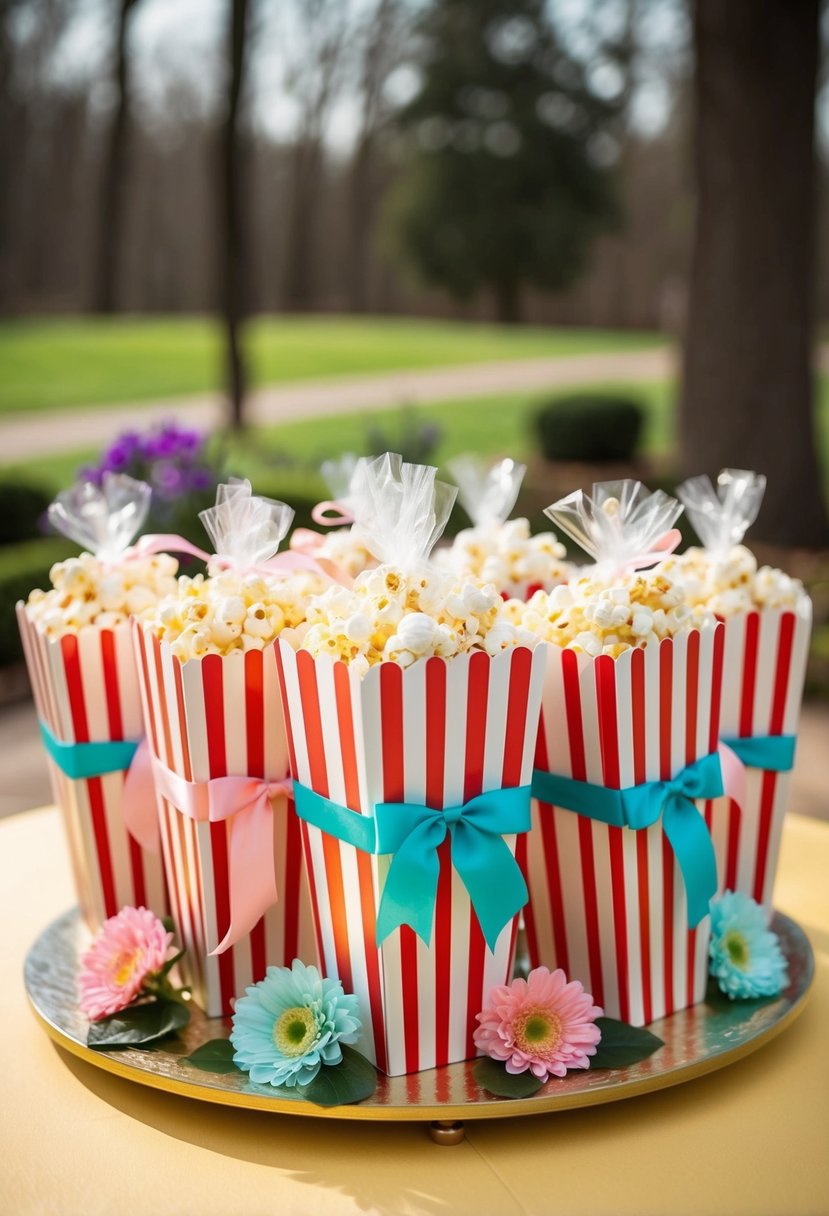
(496, 425)
(60, 363)
(491, 425)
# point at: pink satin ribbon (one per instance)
(246, 801)
(340, 514)
(294, 558)
(308, 543)
(733, 774)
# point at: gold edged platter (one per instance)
(697, 1041)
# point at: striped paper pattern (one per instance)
(764, 668)
(85, 689)
(438, 733)
(216, 717)
(608, 904)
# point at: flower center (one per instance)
(537, 1031)
(737, 948)
(294, 1031)
(123, 966)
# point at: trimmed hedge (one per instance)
(590, 428)
(22, 507)
(22, 568)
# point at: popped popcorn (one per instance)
(508, 556)
(88, 592)
(596, 618)
(345, 548)
(731, 583)
(226, 612)
(392, 616)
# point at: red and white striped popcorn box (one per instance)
(215, 717)
(608, 904)
(437, 734)
(764, 668)
(85, 689)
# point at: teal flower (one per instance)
(746, 959)
(290, 1024)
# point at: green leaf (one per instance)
(169, 924)
(214, 1056)
(137, 1026)
(622, 1045)
(353, 1079)
(492, 1076)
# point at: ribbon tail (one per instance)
(167, 542)
(251, 869)
(138, 803)
(492, 878)
(411, 885)
(693, 848)
(733, 774)
(331, 514)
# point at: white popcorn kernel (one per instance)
(562, 597)
(358, 628)
(588, 642)
(232, 610)
(416, 632)
(642, 622)
(257, 621)
(500, 637)
(109, 620)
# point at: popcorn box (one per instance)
(85, 689)
(437, 734)
(208, 718)
(608, 904)
(764, 667)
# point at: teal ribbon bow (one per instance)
(79, 760)
(772, 752)
(640, 806)
(413, 833)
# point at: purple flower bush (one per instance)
(170, 457)
(175, 462)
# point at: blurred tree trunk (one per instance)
(312, 82)
(113, 174)
(748, 391)
(231, 244)
(298, 285)
(382, 41)
(508, 302)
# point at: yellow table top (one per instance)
(752, 1138)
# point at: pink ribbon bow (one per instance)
(292, 559)
(331, 514)
(247, 802)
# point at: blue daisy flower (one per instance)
(290, 1024)
(746, 959)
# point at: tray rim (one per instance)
(503, 1108)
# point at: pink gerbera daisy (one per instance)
(541, 1023)
(129, 947)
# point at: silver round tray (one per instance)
(697, 1041)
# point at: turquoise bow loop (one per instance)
(412, 833)
(640, 806)
(775, 753)
(80, 760)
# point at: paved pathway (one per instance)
(44, 432)
(24, 782)
(29, 435)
